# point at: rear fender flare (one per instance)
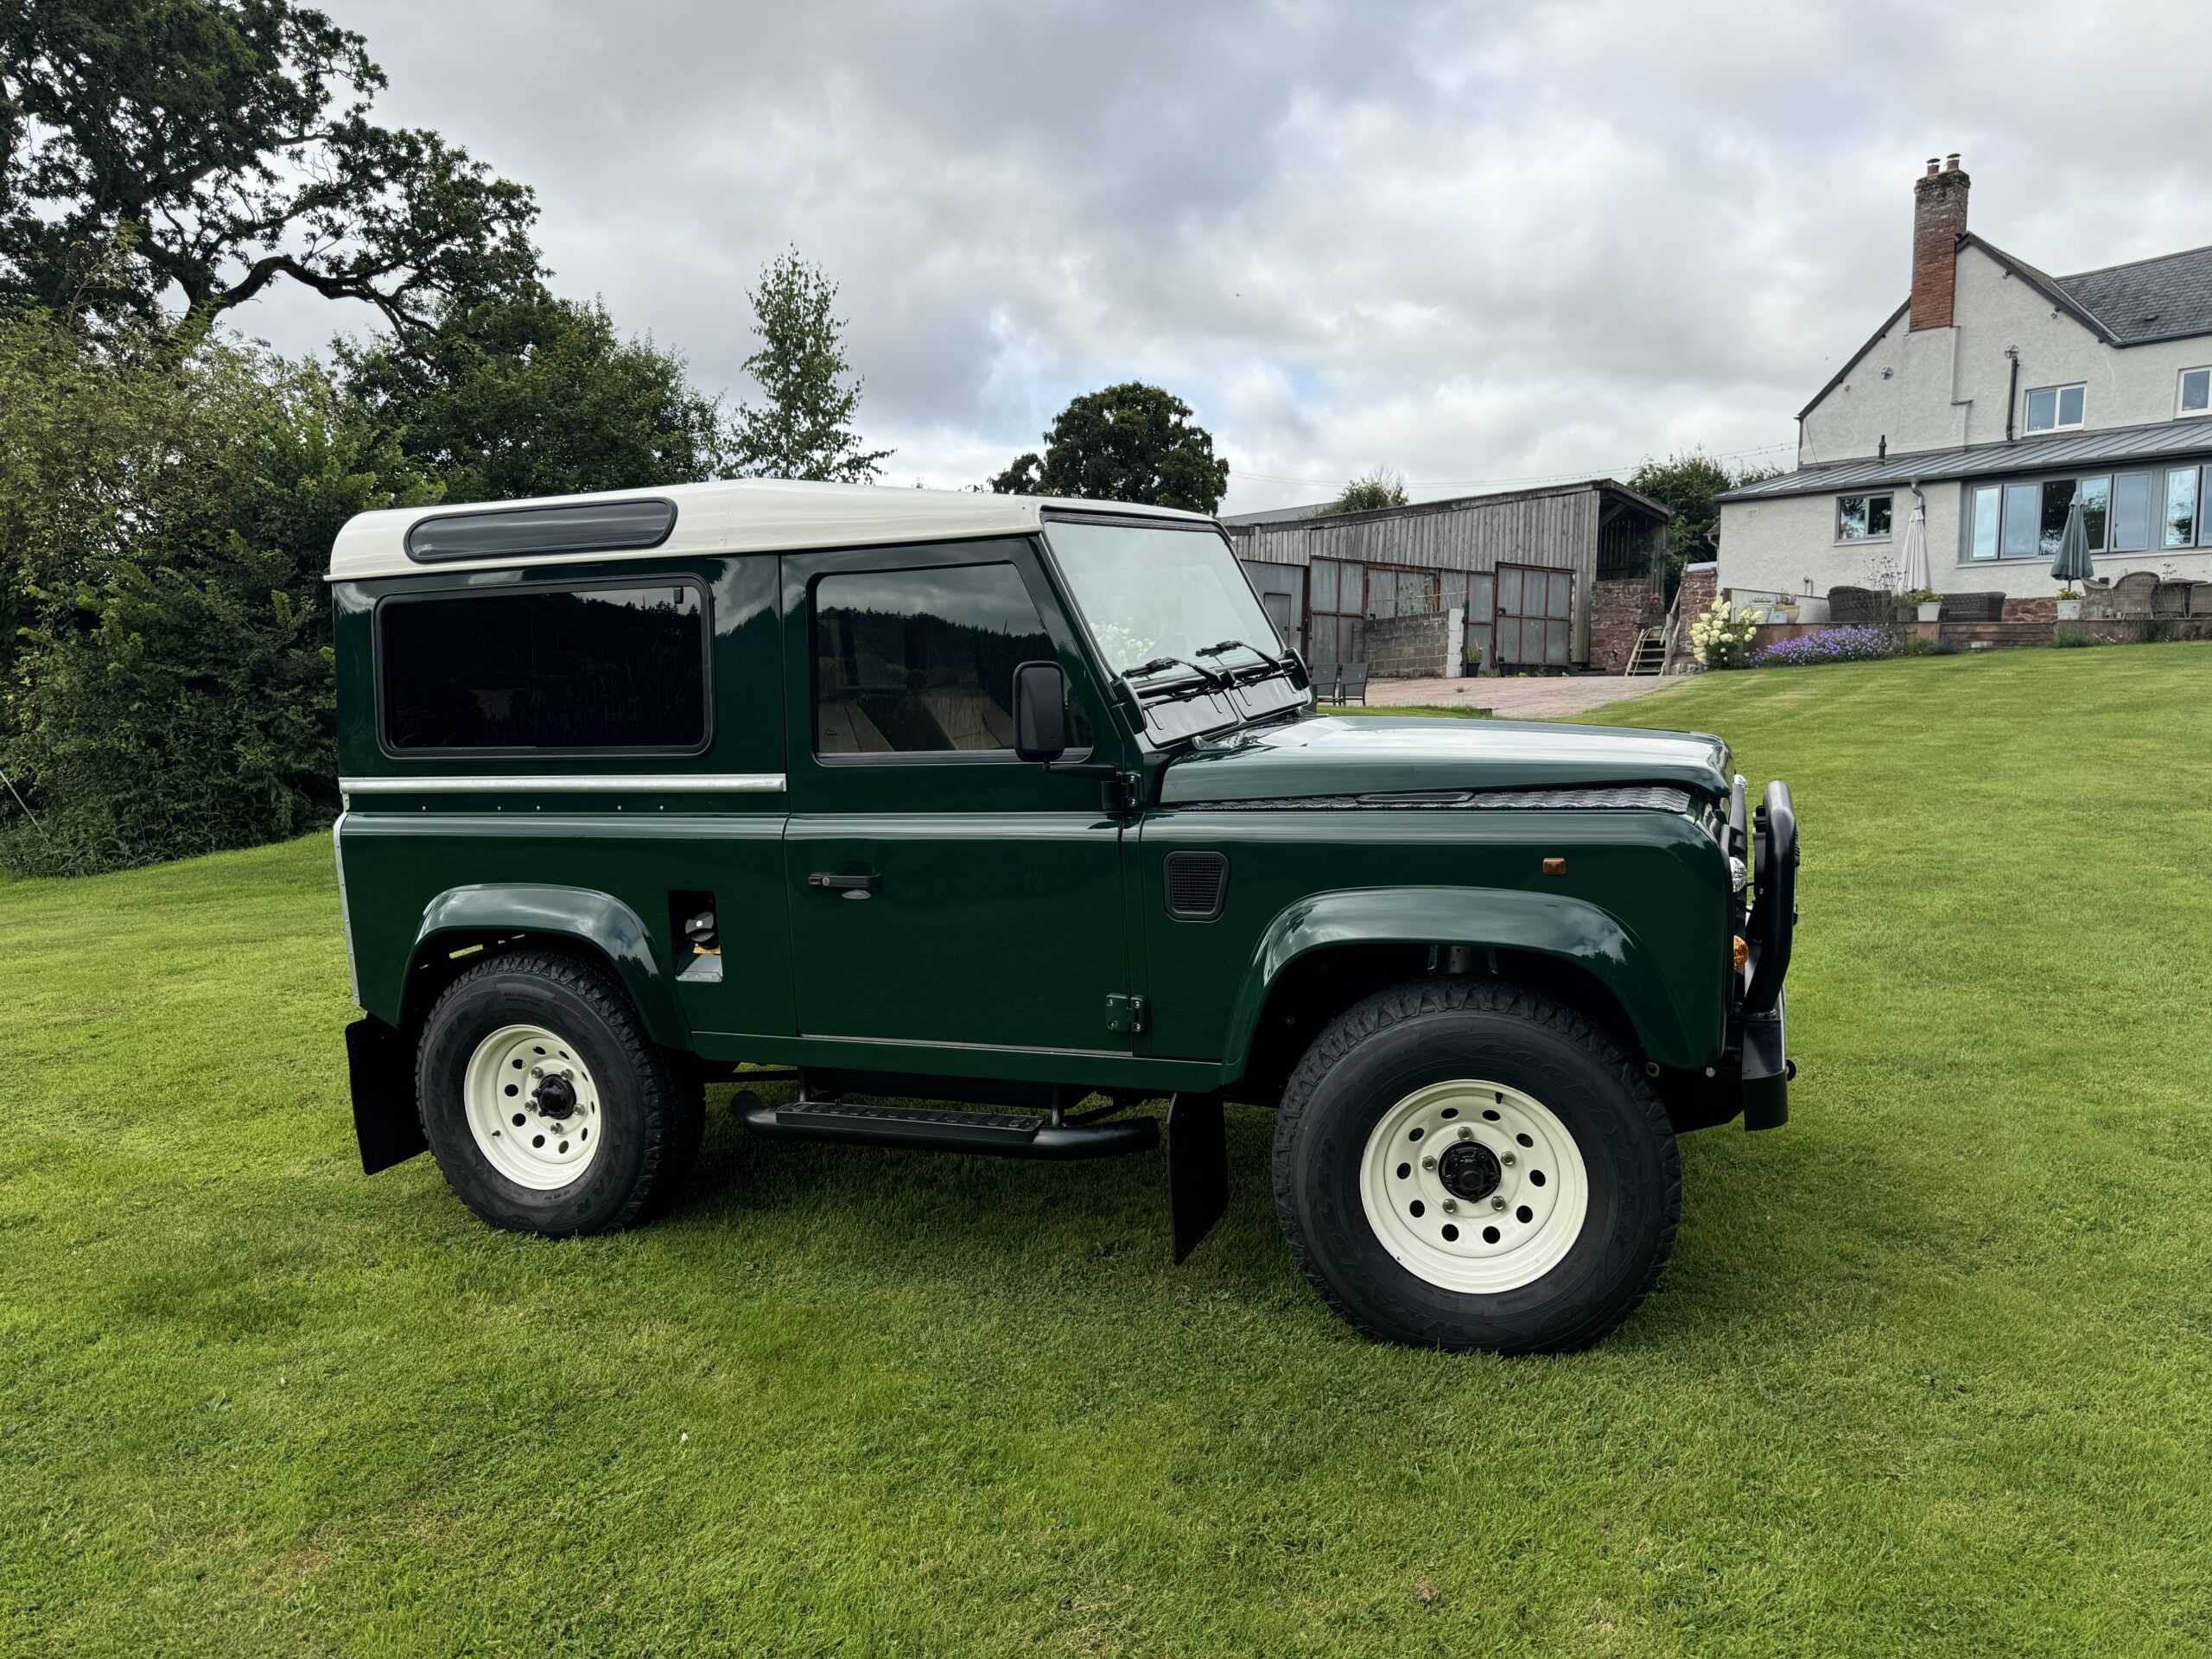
(1552, 924)
(583, 915)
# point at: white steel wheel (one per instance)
(533, 1107)
(1474, 1187)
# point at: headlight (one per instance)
(1738, 873)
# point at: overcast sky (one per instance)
(1482, 244)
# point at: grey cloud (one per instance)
(1474, 242)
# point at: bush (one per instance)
(1852, 644)
(1721, 638)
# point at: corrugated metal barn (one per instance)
(1525, 566)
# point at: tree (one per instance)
(175, 694)
(1131, 442)
(803, 430)
(1689, 483)
(533, 395)
(1370, 491)
(207, 148)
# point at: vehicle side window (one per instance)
(921, 660)
(538, 669)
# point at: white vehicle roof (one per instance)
(753, 515)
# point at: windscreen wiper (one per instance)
(1274, 664)
(1216, 679)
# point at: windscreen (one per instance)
(1148, 592)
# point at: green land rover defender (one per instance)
(1020, 808)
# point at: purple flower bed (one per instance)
(1863, 644)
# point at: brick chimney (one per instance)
(1939, 220)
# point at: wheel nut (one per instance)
(1506, 1158)
(1497, 1204)
(536, 1071)
(1466, 1134)
(1451, 1206)
(1429, 1162)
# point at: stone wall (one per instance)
(1408, 647)
(1701, 587)
(1617, 609)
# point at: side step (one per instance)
(1000, 1134)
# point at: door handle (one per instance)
(852, 886)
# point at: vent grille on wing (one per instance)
(1197, 886)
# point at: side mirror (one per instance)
(1041, 711)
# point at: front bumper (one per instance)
(1769, 930)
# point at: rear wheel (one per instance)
(547, 1105)
(1466, 1165)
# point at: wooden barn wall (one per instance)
(1559, 530)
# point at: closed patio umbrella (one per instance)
(2073, 563)
(1912, 559)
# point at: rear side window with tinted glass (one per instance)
(568, 670)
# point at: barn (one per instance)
(1554, 578)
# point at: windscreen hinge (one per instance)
(1124, 1014)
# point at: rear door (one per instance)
(943, 892)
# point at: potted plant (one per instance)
(1927, 603)
(2069, 604)
(1785, 608)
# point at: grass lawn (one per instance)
(1931, 1371)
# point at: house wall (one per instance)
(1950, 386)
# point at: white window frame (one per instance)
(2181, 386)
(1870, 497)
(2057, 393)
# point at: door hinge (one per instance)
(1124, 1014)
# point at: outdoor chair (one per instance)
(1351, 683)
(1973, 607)
(2131, 594)
(1859, 605)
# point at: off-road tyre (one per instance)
(651, 1107)
(1384, 1050)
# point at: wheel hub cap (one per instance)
(1474, 1187)
(532, 1106)
(1469, 1170)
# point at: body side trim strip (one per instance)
(634, 783)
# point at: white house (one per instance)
(1994, 397)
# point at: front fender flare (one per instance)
(1552, 924)
(582, 914)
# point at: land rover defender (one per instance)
(974, 822)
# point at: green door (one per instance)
(943, 892)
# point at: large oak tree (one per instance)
(167, 155)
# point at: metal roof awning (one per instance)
(2116, 446)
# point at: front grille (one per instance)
(1197, 886)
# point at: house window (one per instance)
(2021, 513)
(2131, 513)
(2181, 508)
(2054, 409)
(1862, 518)
(2195, 392)
(2096, 510)
(1988, 510)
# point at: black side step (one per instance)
(1001, 1134)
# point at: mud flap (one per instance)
(380, 1070)
(1197, 1169)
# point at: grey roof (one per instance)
(2114, 445)
(1288, 515)
(2166, 298)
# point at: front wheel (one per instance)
(1466, 1165)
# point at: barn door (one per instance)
(1535, 611)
